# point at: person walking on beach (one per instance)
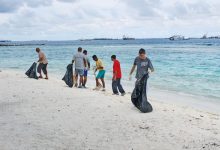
(116, 80)
(86, 68)
(139, 94)
(144, 65)
(80, 64)
(42, 63)
(101, 73)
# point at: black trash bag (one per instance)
(32, 73)
(139, 95)
(68, 77)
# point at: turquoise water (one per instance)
(191, 67)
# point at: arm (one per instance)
(132, 69)
(115, 75)
(84, 60)
(40, 58)
(88, 64)
(151, 66)
(73, 59)
(115, 71)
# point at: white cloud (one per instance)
(73, 19)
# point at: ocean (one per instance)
(188, 66)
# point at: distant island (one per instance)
(123, 38)
(211, 37)
(5, 41)
(181, 37)
(22, 43)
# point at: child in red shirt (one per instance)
(116, 80)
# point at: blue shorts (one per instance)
(85, 73)
(79, 72)
(101, 74)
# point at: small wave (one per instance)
(208, 44)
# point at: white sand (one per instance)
(40, 114)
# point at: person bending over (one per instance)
(101, 73)
(42, 63)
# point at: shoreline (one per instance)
(46, 114)
(157, 94)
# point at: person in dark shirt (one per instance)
(116, 79)
(144, 65)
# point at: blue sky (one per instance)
(80, 19)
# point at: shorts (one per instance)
(101, 74)
(43, 67)
(79, 72)
(85, 73)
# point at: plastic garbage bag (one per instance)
(32, 73)
(68, 77)
(139, 95)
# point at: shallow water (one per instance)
(190, 66)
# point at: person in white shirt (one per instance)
(80, 64)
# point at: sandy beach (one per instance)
(41, 114)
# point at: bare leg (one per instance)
(81, 80)
(84, 80)
(40, 75)
(76, 80)
(45, 71)
(46, 76)
(103, 82)
(73, 78)
(39, 70)
(97, 83)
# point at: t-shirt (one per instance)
(87, 62)
(142, 66)
(99, 64)
(79, 60)
(43, 58)
(117, 68)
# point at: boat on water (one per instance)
(178, 37)
(204, 36)
(127, 38)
